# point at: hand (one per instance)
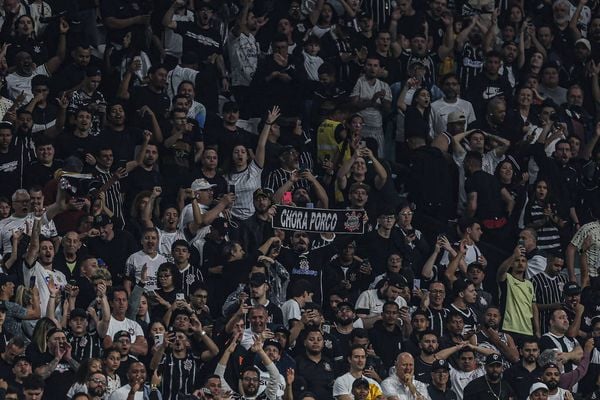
(156, 191)
(90, 159)
(196, 324)
(233, 343)
(101, 290)
(274, 113)
(228, 199)
(396, 14)
(280, 60)
(20, 98)
(257, 345)
(16, 238)
(3, 384)
(290, 375)
(63, 101)
(52, 288)
(64, 26)
(413, 83)
(147, 136)
(155, 380)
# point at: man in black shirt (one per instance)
(41, 171)
(314, 371)
(152, 95)
(11, 167)
(522, 375)
(488, 201)
(488, 84)
(490, 386)
(439, 389)
(115, 246)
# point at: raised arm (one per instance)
(54, 63)
(259, 158)
(505, 266)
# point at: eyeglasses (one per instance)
(98, 381)
(407, 214)
(248, 379)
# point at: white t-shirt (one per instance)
(178, 75)
(440, 110)
(460, 379)
(17, 83)
(243, 55)
(136, 261)
(127, 324)
(343, 384)
(122, 393)
(187, 216)
(12, 223)
(166, 240)
(369, 300)
(42, 277)
(291, 311)
(365, 91)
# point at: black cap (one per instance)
(257, 279)
(264, 192)
(364, 14)
(102, 220)
(78, 312)
(345, 304)
(311, 306)
(360, 382)
(286, 149)
(572, 288)
(440, 364)
(3, 306)
(93, 71)
(272, 342)
(282, 329)
(477, 265)
(121, 334)
(397, 280)
(5, 278)
(493, 359)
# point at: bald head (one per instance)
(405, 364)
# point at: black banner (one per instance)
(319, 220)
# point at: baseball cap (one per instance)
(272, 342)
(201, 184)
(286, 149)
(440, 364)
(364, 14)
(20, 357)
(456, 116)
(345, 304)
(312, 306)
(493, 359)
(359, 185)
(268, 193)
(93, 71)
(257, 279)
(572, 288)
(5, 278)
(121, 334)
(102, 220)
(397, 280)
(584, 42)
(537, 386)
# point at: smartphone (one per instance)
(287, 198)
(180, 296)
(362, 144)
(72, 282)
(310, 205)
(159, 338)
(231, 189)
(32, 282)
(417, 283)
(521, 242)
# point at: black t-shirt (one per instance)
(71, 145)
(61, 378)
(159, 103)
(140, 179)
(480, 389)
(10, 172)
(37, 173)
(226, 140)
(122, 142)
(114, 252)
(489, 201)
(203, 42)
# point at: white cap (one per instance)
(201, 184)
(537, 386)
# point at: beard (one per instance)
(97, 391)
(344, 322)
(494, 376)
(551, 384)
(428, 351)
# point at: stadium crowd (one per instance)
(147, 148)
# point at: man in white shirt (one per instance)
(300, 293)
(202, 197)
(148, 258)
(449, 108)
(21, 217)
(119, 322)
(369, 304)
(402, 384)
(342, 387)
(375, 98)
(135, 389)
